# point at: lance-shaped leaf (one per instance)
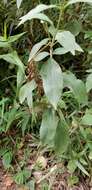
(48, 127)
(62, 136)
(13, 59)
(79, 1)
(36, 13)
(76, 86)
(26, 92)
(5, 43)
(36, 48)
(52, 81)
(67, 40)
(18, 3)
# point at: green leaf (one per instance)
(52, 81)
(77, 87)
(20, 78)
(36, 48)
(13, 59)
(79, 1)
(59, 51)
(37, 13)
(7, 158)
(80, 166)
(89, 82)
(61, 137)
(48, 127)
(67, 40)
(11, 118)
(26, 92)
(12, 39)
(74, 27)
(87, 119)
(19, 178)
(41, 56)
(72, 166)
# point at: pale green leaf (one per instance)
(48, 128)
(59, 51)
(89, 82)
(36, 48)
(19, 3)
(26, 92)
(41, 56)
(87, 119)
(36, 13)
(76, 86)
(13, 59)
(52, 81)
(20, 78)
(67, 40)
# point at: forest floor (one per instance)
(59, 182)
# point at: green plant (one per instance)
(58, 99)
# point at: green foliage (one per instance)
(58, 97)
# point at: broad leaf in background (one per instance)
(67, 40)
(87, 118)
(52, 81)
(36, 13)
(36, 48)
(77, 87)
(48, 127)
(26, 92)
(89, 82)
(19, 3)
(62, 136)
(13, 59)
(79, 1)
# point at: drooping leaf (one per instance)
(67, 40)
(76, 86)
(89, 82)
(37, 13)
(61, 137)
(36, 48)
(13, 59)
(52, 81)
(20, 78)
(48, 127)
(79, 1)
(26, 92)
